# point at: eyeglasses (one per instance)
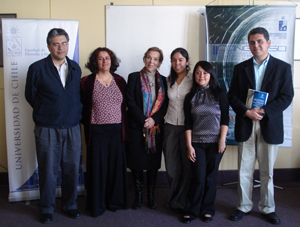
(63, 44)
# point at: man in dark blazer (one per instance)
(258, 131)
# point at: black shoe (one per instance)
(97, 214)
(151, 197)
(186, 219)
(137, 204)
(272, 218)
(177, 210)
(114, 209)
(207, 219)
(74, 213)
(238, 215)
(138, 184)
(151, 181)
(46, 218)
(151, 202)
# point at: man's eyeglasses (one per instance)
(63, 44)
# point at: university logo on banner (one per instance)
(227, 44)
(24, 42)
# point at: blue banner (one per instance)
(227, 29)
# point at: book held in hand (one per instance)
(256, 98)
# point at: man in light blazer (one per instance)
(258, 131)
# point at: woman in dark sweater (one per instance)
(104, 120)
(206, 123)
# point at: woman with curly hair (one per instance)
(105, 126)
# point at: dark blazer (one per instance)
(277, 82)
(136, 117)
(86, 93)
(137, 156)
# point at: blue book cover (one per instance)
(256, 98)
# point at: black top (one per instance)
(204, 115)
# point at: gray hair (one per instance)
(56, 32)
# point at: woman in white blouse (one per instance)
(174, 146)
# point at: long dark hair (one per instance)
(213, 82)
(173, 75)
(92, 64)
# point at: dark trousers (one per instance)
(202, 191)
(58, 148)
(178, 165)
(107, 186)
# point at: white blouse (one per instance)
(176, 95)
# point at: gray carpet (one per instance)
(287, 207)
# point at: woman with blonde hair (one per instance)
(147, 104)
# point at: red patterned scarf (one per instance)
(149, 108)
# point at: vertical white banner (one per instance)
(24, 42)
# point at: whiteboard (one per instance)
(131, 30)
(297, 40)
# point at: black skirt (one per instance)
(106, 183)
(138, 157)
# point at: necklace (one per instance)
(104, 82)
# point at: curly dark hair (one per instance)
(92, 64)
(173, 75)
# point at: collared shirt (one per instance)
(259, 72)
(176, 94)
(62, 72)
